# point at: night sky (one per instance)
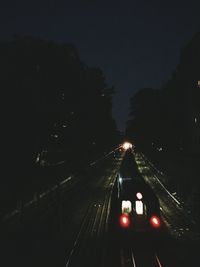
(136, 43)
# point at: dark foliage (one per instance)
(169, 118)
(53, 105)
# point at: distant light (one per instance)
(198, 83)
(195, 120)
(127, 146)
(38, 158)
(155, 221)
(120, 180)
(54, 135)
(139, 195)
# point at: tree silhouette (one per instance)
(53, 102)
(169, 117)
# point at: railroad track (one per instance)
(131, 258)
(89, 247)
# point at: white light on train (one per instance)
(127, 145)
(126, 206)
(139, 207)
(139, 195)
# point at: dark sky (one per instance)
(136, 43)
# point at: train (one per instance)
(137, 206)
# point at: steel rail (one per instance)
(93, 225)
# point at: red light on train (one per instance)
(155, 221)
(124, 221)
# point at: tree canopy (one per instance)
(170, 117)
(52, 102)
